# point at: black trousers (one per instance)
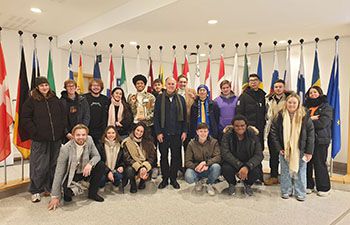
(229, 172)
(129, 174)
(174, 143)
(94, 179)
(319, 165)
(274, 158)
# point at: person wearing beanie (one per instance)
(43, 121)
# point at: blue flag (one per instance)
(70, 64)
(275, 73)
(259, 72)
(301, 77)
(331, 83)
(35, 69)
(316, 81)
(97, 73)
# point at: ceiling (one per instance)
(179, 22)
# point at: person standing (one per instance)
(171, 129)
(98, 104)
(321, 114)
(43, 119)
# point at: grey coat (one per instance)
(67, 163)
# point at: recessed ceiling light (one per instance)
(251, 33)
(212, 22)
(282, 42)
(35, 10)
(133, 43)
(202, 54)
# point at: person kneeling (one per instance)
(78, 160)
(241, 154)
(202, 159)
(140, 155)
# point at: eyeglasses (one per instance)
(254, 80)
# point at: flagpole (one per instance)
(22, 159)
(5, 169)
(198, 76)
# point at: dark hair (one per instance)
(317, 88)
(202, 126)
(36, 94)
(147, 139)
(117, 137)
(123, 94)
(157, 81)
(224, 82)
(69, 81)
(98, 81)
(239, 117)
(280, 81)
(182, 76)
(254, 75)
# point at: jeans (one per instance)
(117, 179)
(288, 183)
(212, 174)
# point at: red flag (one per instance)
(221, 69)
(5, 111)
(208, 78)
(150, 76)
(186, 69)
(112, 80)
(20, 138)
(175, 74)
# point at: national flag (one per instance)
(331, 83)
(50, 76)
(138, 63)
(70, 65)
(316, 81)
(175, 74)
(287, 73)
(221, 75)
(97, 72)
(197, 79)
(236, 85)
(186, 71)
(275, 73)
(245, 73)
(150, 76)
(259, 71)
(161, 74)
(35, 68)
(80, 79)
(301, 76)
(123, 84)
(208, 77)
(22, 145)
(112, 80)
(5, 111)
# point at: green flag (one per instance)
(123, 84)
(50, 76)
(245, 73)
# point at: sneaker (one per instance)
(300, 198)
(323, 193)
(271, 181)
(36, 197)
(231, 189)
(210, 190)
(248, 190)
(285, 196)
(198, 186)
(155, 172)
(221, 178)
(309, 191)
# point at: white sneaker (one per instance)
(198, 186)
(309, 191)
(210, 190)
(323, 193)
(36, 197)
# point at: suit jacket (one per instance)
(67, 163)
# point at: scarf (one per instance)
(203, 112)
(291, 135)
(111, 112)
(179, 107)
(313, 102)
(112, 149)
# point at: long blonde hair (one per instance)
(300, 112)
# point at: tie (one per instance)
(203, 113)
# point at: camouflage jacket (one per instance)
(142, 107)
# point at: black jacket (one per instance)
(214, 113)
(98, 112)
(120, 158)
(251, 104)
(306, 139)
(43, 120)
(229, 149)
(323, 126)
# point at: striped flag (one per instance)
(316, 81)
(150, 76)
(245, 73)
(50, 76)
(70, 65)
(236, 84)
(19, 135)
(197, 79)
(221, 75)
(123, 83)
(208, 77)
(35, 67)
(175, 73)
(5, 111)
(301, 76)
(186, 70)
(80, 79)
(287, 73)
(259, 71)
(112, 80)
(275, 73)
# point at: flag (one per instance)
(161, 74)
(275, 73)
(301, 76)
(80, 79)
(259, 71)
(221, 75)
(150, 76)
(5, 111)
(35, 68)
(331, 83)
(287, 74)
(123, 84)
(186, 71)
(208, 77)
(197, 79)
(112, 80)
(316, 81)
(70, 65)
(175, 74)
(50, 76)
(22, 93)
(245, 73)
(236, 87)
(138, 63)
(97, 72)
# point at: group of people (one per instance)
(82, 142)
